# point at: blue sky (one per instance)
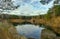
(31, 7)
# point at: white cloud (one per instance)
(31, 7)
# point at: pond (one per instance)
(30, 30)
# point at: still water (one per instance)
(30, 30)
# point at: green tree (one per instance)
(57, 10)
(48, 15)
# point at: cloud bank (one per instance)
(31, 7)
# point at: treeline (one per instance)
(53, 12)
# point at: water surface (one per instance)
(29, 30)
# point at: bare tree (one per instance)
(6, 5)
(57, 2)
